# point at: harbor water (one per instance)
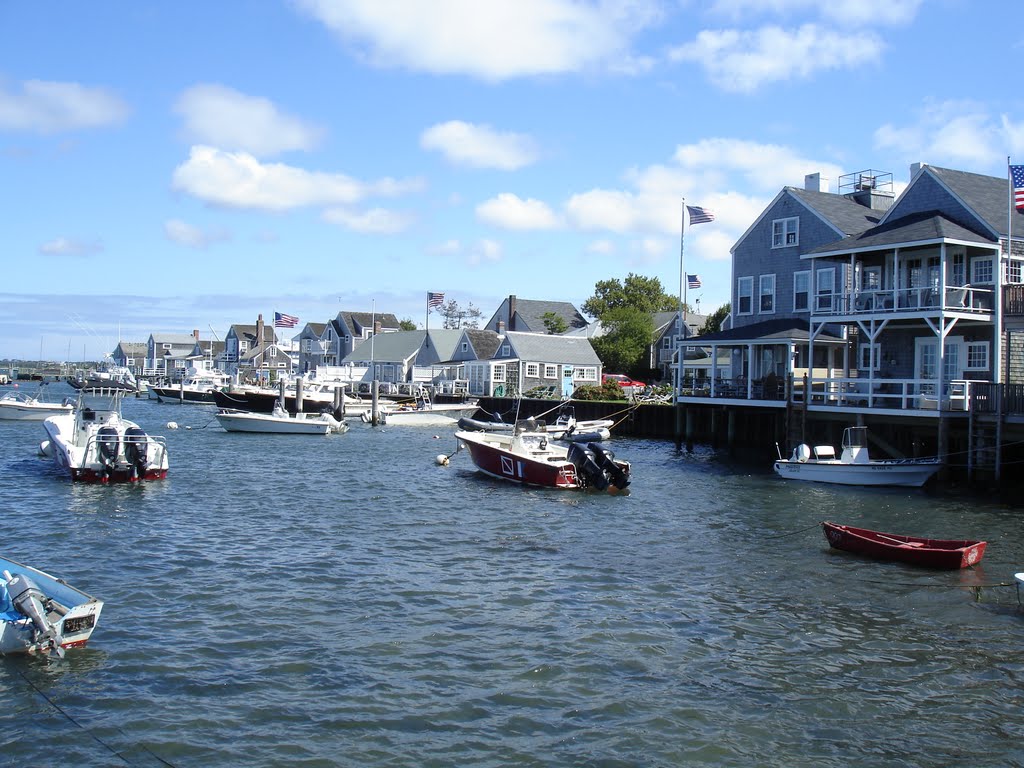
(287, 600)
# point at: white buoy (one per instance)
(172, 425)
(442, 460)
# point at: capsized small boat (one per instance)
(21, 406)
(530, 456)
(854, 466)
(96, 444)
(40, 613)
(948, 554)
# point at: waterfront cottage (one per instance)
(541, 363)
(529, 316)
(169, 355)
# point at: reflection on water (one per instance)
(287, 600)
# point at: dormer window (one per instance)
(785, 232)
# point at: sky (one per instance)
(168, 167)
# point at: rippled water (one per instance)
(300, 601)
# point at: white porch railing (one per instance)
(955, 299)
(901, 394)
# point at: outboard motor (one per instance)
(29, 600)
(136, 450)
(586, 467)
(109, 444)
(605, 459)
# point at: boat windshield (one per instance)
(855, 437)
(530, 425)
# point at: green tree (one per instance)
(457, 317)
(405, 324)
(713, 324)
(628, 333)
(554, 323)
(643, 293)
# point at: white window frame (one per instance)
(498, 374)
(550, 371)
(766, 281)
(979, 349)
(746, 283)
(981, 271)
(870, 356)
(786, 232)
(806, 274)
(506, 350)
(823, 299)
(584, 373)
(532, 371)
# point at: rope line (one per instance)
(92, 735)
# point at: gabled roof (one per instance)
(776, 330)
(916, 229)
(177, 339)
(444, 341)
(359, 320)
(549, 348)
(133, 348)
(485, 343)
(248, 332)
(317, 329)
(532, 313)
(985, 196)
(398, 346)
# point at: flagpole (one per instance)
(682, 273)
(426, 325)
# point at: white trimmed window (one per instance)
(825, 281)
(785, 232)
(981, 271)
(870, 355)
(550, 371)
(533, 370)
(767, 295)
(584, 373)
(498, 373)
(801, 291)
(745, 296)
(977, 356)
(506, 350)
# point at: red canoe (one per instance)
(915, 550)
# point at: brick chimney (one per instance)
(501, 327)
(376, 327)
(512, 312)
(259, 331)
(195, 334)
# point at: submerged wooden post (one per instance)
(280, 389)
(943, 444)
(298, 395)
(339, 403)
(679, 425)
(730, 437)
(690, 414)
(374, 413)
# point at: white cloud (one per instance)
(485, 251)
(479, 146)
(378, 221)
(50, 107)
(63, 246)
(495, 40)
(601, 247)
(845, 12)
(182, 233)
(512, 212)
(954, 133)
(223, 117)
(239, 180)
(739, 60)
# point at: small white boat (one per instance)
(854, 466)
(197, 386)
(20, 406)
(95, 444)
(40, 613)
(421, 412)
(279, 421)
(565, 428)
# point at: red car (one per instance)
(624, 381)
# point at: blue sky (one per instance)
(170, 166)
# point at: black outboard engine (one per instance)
(605, 459)
(136, 450)
(586, 468)
(29, 600)
(109, 444)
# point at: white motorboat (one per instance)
(854, 466)
(279, 421)
(420, 412)
(21, 406)
(105, 377)
(40, 613)
(565, 428)
(197, 386)
(95, 444)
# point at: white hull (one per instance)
(268, 423)
(75, 627)
(31, 411)
(873, 473)
(437, 415)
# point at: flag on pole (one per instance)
(434, 299)
(1017, 175)
(692, 281)
(699, 215)
(282, 320)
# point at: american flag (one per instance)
(1017, 174)
(282, 320)
(434, 299)
(692, 281)
(699, 215)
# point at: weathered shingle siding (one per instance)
(754, 256)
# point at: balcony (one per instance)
(965, 299)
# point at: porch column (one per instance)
(750, 370)
(997, 342)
